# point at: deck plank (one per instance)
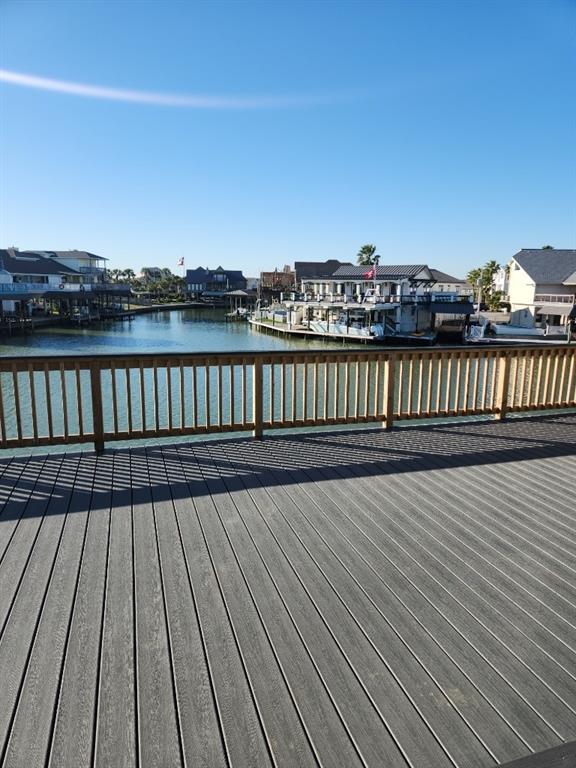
(32, 726)
(244, 526)
(20, 628)
(201, 738)
(241, 729)
(19, 527)
(284, 733)
(116, 707)
(416, 661)
(73, 738)
(384, 529)
(158, 734)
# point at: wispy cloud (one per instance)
(161, 99)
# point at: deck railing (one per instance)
(49, 401)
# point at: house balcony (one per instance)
(554, 298)
(356, 598)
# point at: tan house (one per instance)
(542, 288)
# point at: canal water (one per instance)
(186, 330)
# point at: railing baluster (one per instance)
(377, 409)
(232, 392)
(486, 367)
(504, 365)
(271, 391)
(293, 400)
(33, 401)
(571, 380)
(243, 401)
(48, 401)
(457, 393)
(315, 390)
(325, 393)
(97, 414)
(207, 409)
(17, 402)
(282, 390)
(336, 388)
(194, 374)
(79, 400)
(219, 416)
(155, 392)
(64, 400)
(257, 398)
(304, 390)
(142, 396)
(114, 395)
(357, 388)
(476, 358)
(410, 389)
(3, 433)
(367, 368)
(169, 394)
(420, 392)
(127, 371)
(346, 386)
(439, 375)
(389, 390)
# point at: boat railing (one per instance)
(97, 399)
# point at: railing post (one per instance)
(389, 387)
(97, 413)
(503, 385)
(257, 398)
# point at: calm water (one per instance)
(188, 330)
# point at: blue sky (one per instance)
(443, 132)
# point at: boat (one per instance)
(368, 321)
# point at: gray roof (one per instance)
(29, 263)
(442, 277)
(64, 254)
(306, 270)
(384, 271)
(548, 265)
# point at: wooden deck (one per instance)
(340, 599)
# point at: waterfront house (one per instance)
(213, 283)
(395, 302)
(91, 267)
(444, 283)
(284, 280)
(542, 288)
(316, 273)
(44, 280)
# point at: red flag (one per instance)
(370, 274)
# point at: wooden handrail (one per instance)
(100, 398)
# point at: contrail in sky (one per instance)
(159, 99)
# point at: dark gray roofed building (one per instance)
(385, 272)
(31, 263)
(313, 270)
(548, 265)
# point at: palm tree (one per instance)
(365, 256)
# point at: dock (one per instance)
(401, 598)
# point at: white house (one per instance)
(445, 283)
(542, 287)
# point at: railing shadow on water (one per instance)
(126, 478)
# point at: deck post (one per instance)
(97, 414)
(257, 398)
(503, 385)
(389, 387)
